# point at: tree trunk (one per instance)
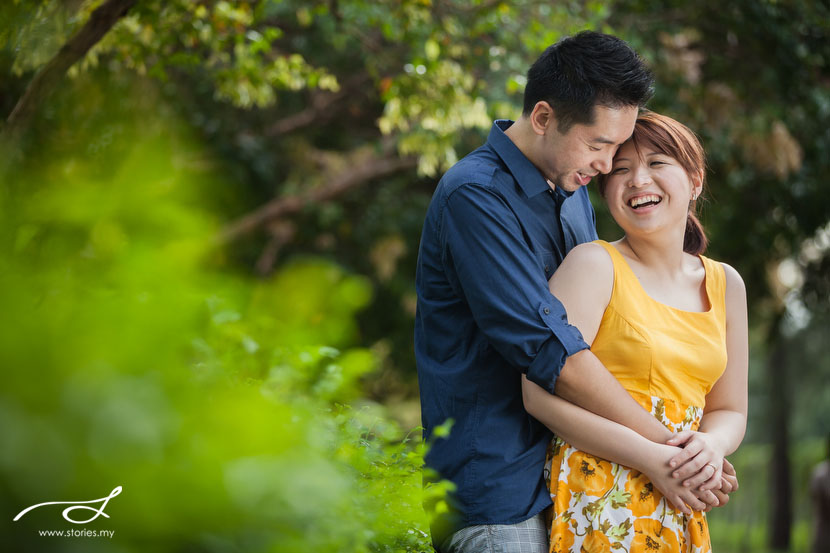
(779, 403)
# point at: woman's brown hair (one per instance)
(669, 137)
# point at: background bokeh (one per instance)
(209, 227)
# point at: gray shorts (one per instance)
(530, 536)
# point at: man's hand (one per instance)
(729, 483)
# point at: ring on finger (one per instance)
(714, 467)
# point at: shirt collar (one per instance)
(561, 195)
(526, 174)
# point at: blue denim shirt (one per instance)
(494, 233)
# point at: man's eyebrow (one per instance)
(603, 140)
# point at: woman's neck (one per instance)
(662, 254)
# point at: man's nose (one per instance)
(604, 164)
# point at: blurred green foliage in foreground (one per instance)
(226, 408)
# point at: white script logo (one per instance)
(76, 505)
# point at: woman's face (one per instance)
(649, 192)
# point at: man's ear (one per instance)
(542, 117)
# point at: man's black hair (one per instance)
(585, 70)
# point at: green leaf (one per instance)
(432, 49)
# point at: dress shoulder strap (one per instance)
(715, 284)
(626, 284)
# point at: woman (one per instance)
(671, 325)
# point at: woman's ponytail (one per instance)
(694, 241)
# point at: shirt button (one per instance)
(547, 311)
(547, 268)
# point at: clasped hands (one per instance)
(692, 472)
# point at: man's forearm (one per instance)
(584, 381)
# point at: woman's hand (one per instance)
(659, 471)
(700, 463)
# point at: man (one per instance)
(499, 224)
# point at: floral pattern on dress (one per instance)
(600, 506)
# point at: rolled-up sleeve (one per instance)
(492, 266)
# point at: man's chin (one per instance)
(569, 185)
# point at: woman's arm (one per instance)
(583, 283)
(724, 418)
(599, 436)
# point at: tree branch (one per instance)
(305, 117)
(99, 23)
(282, 232)
(320, 108)
(338, 183)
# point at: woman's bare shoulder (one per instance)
(733, 277)
(589, 255)
(587, 266)
(735, 288)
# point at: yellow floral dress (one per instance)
(668, 360)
